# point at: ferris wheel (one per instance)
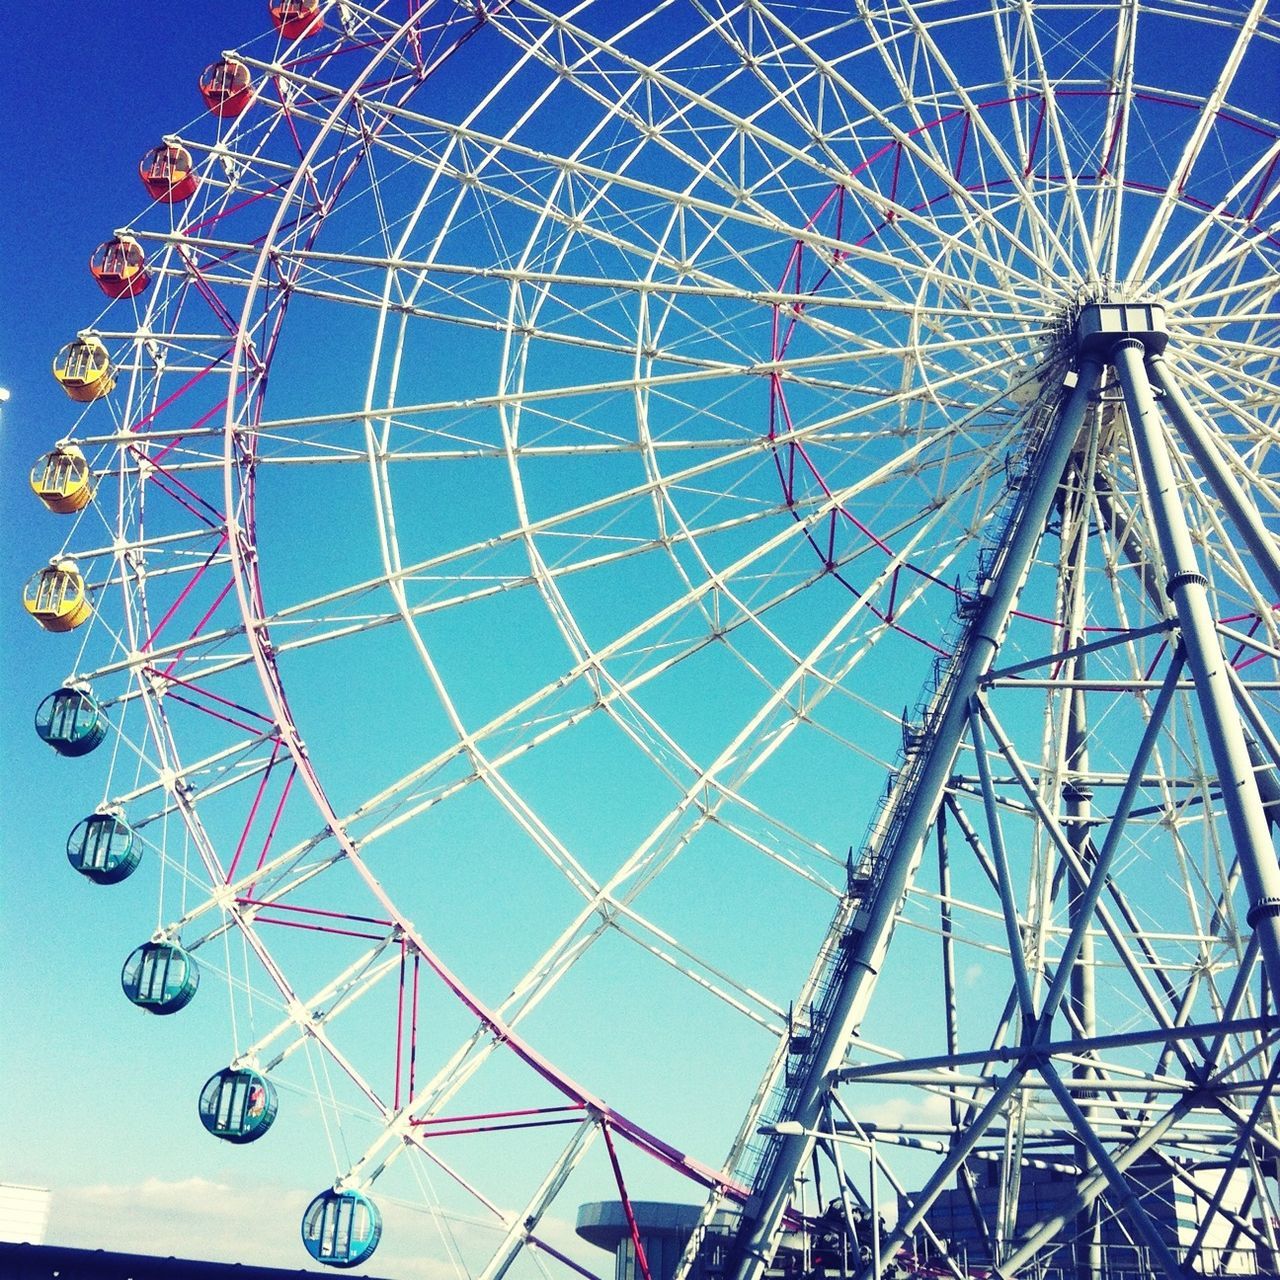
(680, 605)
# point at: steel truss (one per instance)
(1053, 1092)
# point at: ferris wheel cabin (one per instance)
(119, 267)
(71, 721)
(296, 18)
(61, 480)
(160, 978)
(104, 848)
(341, 1228)
(238, 1105)
(168, 173)
(56, 597)
(226, 87)
(84, 370)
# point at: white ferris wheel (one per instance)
(679, 604)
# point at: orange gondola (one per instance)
(226, 87)
(168, 173)
(119, 267)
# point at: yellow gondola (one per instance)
(84, 369)
(56, 597)
(61, 480)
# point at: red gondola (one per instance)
(294, 18)
(119, 267)
(226, 87)
(168, 174)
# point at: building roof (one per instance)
(45, 1261)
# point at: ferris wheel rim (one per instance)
(257, 617)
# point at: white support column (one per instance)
(1187, 589)
(1227, 489)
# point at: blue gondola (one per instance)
(71, 722)
(237, 1105)
(341, 1228)
(160, 977)
(104, 848)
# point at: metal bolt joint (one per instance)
(1263, 909)
(1184, 579)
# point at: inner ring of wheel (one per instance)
(239, 478)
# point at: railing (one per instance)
(1115, 1262)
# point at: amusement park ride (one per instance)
(529, 456)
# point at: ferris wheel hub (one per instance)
(1101, 326)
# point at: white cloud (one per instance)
(191, 1192)
(197, 1218)
(909, 1110)
(190, 1218)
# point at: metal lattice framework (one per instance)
(552, 449)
